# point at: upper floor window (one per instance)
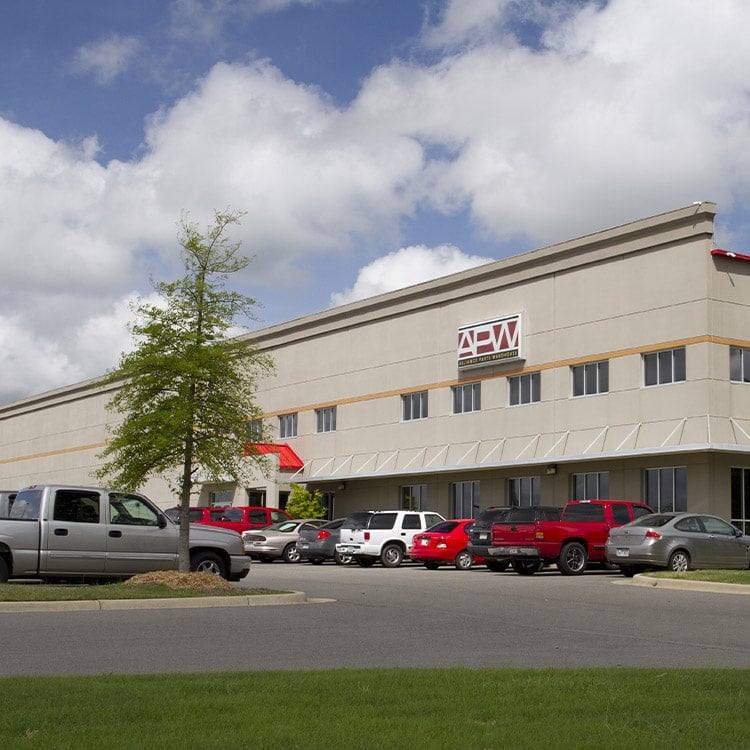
(739, 364)
(288, 425)
(666, 489)
(667, 366)
(525, 389)
(414, 406)
(325, 419)
(590, 378)
(524, 491)
(254, 430)
(591, 486)
(466, 398)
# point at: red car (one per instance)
(444, 544)
(239, 518)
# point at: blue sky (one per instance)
(372, 143)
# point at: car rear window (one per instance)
(382, 521)
(490, 516)
(444, 527)
(653, 520)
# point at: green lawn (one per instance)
(383, 708)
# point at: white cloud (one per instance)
(107, 58)
(404, 267)
(625, 110)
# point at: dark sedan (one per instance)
(677, 542)
(319, 545)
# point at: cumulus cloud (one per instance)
(106, 59)
(617, 111)
(404, 267)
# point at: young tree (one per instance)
(305, 504)
(186, 392)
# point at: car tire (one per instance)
(340, 559)
(573, 559)
(464, 560)
(497, 566)
(431, 565)
(4, 573)
(364, 561)
(290, 554)
(527, 567)
(679, 561)
(208, 562)
(392, 555)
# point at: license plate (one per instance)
(623, 552)
(304, 545)
(424, 542)
(348, 550)
(484, 536)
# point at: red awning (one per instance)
(730, 254)
(288, 459)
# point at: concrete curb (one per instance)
(293, 597)
(673, 583)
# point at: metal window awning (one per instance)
(685, 435)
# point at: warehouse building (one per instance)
(613, 365)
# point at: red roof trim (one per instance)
(288, 459)
(730, 254)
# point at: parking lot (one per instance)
(407, 616)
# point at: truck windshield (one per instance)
(26, 505)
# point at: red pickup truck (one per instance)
(572, 542)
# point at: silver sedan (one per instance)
(279, 540)
(678, 542)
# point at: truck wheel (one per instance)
(679, 561)
(464, 560)
(290, 553)
(573, 559)
(208, 562)
(4, 574)
(527, 567)
(392, 555)
(497, 566)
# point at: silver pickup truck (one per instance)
(60, 531)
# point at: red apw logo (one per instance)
(489, 341)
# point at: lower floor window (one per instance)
(741, 499)
(591, 486)
(464, 499)
(414, 497)
(524, 491)
(666, 489)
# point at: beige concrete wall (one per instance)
(613, 295)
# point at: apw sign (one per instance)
(491, 341)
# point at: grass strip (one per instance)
(383, 708)
(15, 592)
(741, 577)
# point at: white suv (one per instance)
(383, 535)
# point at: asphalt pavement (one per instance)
(356, 617)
